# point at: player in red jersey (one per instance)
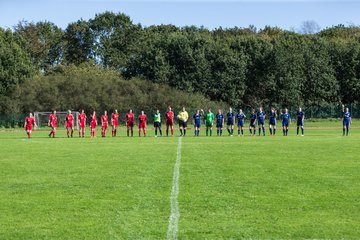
(29, 122)
(130, 123)
(52, 123)
(142, 123)
(82, 123)
(69, 124)
(169, 121)
(93, 124)
(104, 124)
(114, 122)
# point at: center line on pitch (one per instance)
(175, 214)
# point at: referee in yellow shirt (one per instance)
(183, 118)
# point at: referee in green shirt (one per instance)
(157, 122)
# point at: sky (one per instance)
(211, 14)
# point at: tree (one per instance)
(79, 42)
(116, 40)
(15, 67)
(309, 27)
(43, 41)
(320, 85)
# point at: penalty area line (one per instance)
(174, 203)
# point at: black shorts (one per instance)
(300, 123)
(182, 124)
(157, 124)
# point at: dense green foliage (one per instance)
(240, 66)
(90, 87)
(230, 187)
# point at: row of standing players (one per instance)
(256, 118)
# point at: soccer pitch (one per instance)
(229, 187)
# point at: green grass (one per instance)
(230, 187)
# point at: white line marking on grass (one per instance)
(175, 214)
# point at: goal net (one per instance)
(42, 119)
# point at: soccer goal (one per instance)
(42, 119)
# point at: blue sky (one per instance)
(287, 14)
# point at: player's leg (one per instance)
(302, 129)
(210, 130)
(184, 126)
(132, 130)
(144, 131)
(270, 129)
(274, 128)
(347, 128)
(52, 133)
(160, 130)
(180, 128)
(283, 128)
(297, 130)
(287, 129)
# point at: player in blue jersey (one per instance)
(272, 122)
(230, 122)
(261, 120)
(240, 122)
(197, 122)
(252, 126)
(219, 123)
(346, 120)
(285, 120)
(300, 115)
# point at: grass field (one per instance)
(229, 187)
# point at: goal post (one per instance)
(42, 119)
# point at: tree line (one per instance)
(93, 61)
